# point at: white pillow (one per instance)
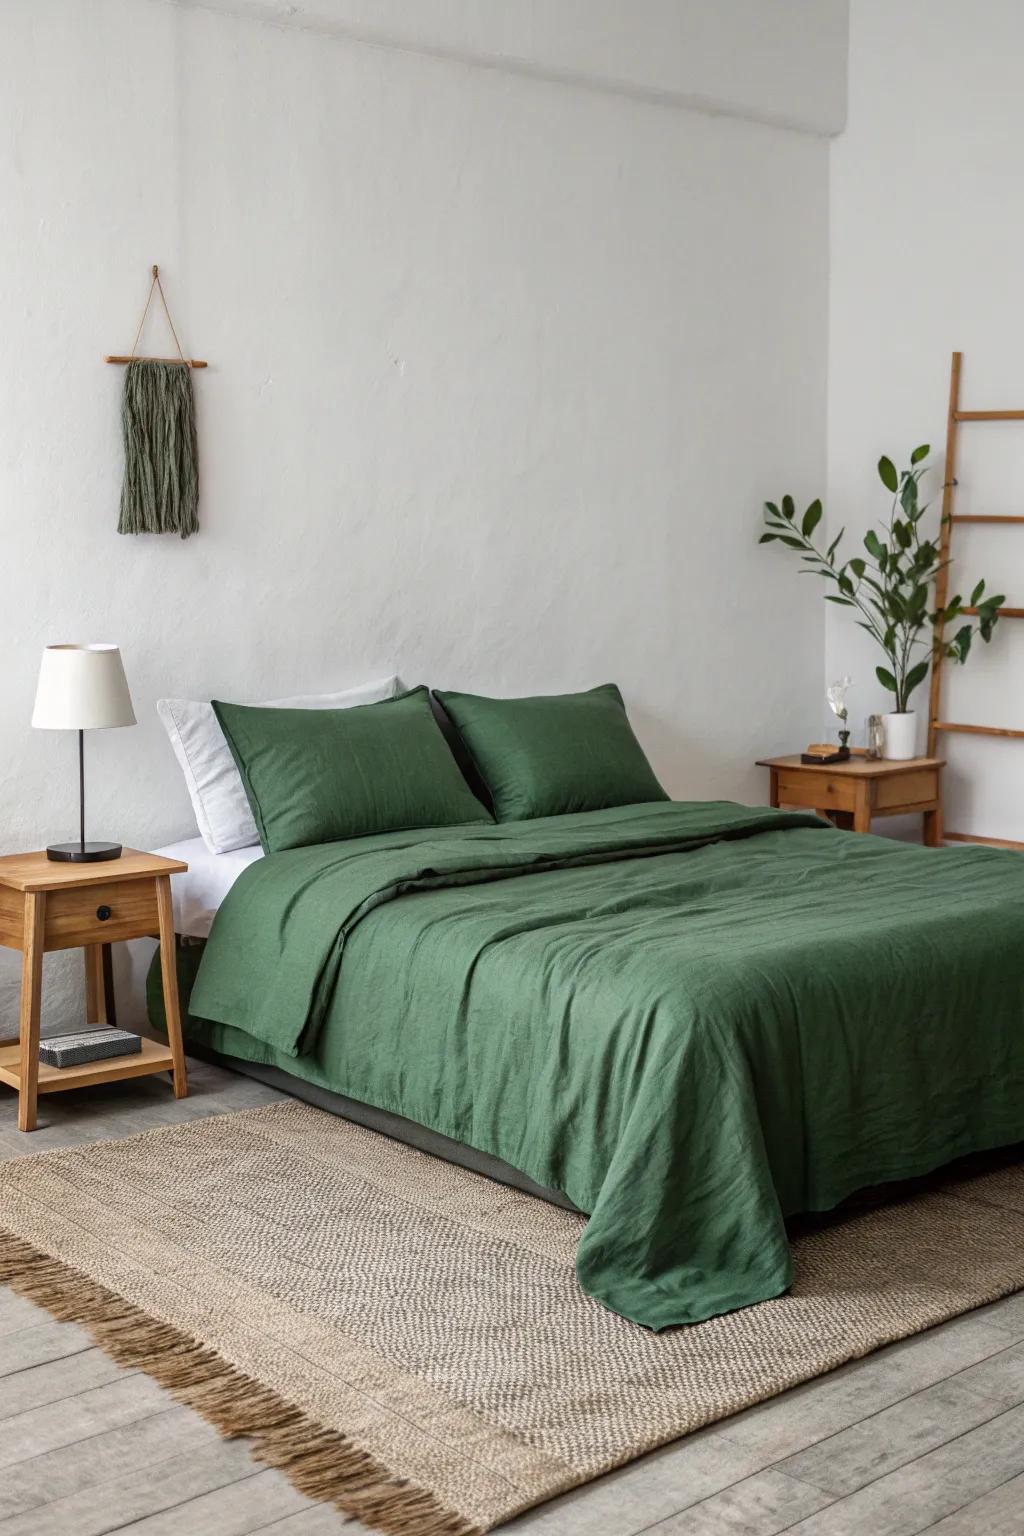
(214, 783)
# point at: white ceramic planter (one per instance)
(901, 736)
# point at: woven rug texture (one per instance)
(409, 1339)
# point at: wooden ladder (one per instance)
(949, 519)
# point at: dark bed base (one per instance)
(419, 1136)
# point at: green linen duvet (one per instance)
(693, 1019)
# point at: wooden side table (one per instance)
(851, 793)
(46, 906)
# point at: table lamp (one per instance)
(82, 688)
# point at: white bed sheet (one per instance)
(198, 893)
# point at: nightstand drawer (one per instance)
(908, 790)
(101, 913)
(12, 917)
(817, 790)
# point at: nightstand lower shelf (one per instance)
(152, 1058)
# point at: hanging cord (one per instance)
(156, 283)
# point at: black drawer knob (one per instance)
(103, 913)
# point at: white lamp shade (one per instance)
(82, 688)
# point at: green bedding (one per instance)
(693, 1019)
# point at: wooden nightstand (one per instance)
(46, 906)
(851, 793)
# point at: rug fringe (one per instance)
(320, 1462)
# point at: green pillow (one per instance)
(319, 775)
(548, 755)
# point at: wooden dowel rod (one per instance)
(1004, 613)
(188, 362)
(990, 416)
(984, 517)
(979, 730)
(987, 842)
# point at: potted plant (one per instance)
(893, 590)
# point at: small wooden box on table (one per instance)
(46, 906)
(851, 793)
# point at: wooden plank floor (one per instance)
(927, 1435)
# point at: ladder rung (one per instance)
(1004, 613)
(987, 842)
(982, 517)
(988, 415)
(978, 730)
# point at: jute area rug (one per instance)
(409, 1340)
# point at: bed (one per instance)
(691, 1020)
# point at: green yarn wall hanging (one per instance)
(160, 493)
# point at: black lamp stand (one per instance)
(82, 852)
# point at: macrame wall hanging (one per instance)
(160, 493)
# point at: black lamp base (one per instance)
(82, 853)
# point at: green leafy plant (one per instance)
(893, 590)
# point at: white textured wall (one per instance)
(927, 222)
(501, 370)
(779, 61)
